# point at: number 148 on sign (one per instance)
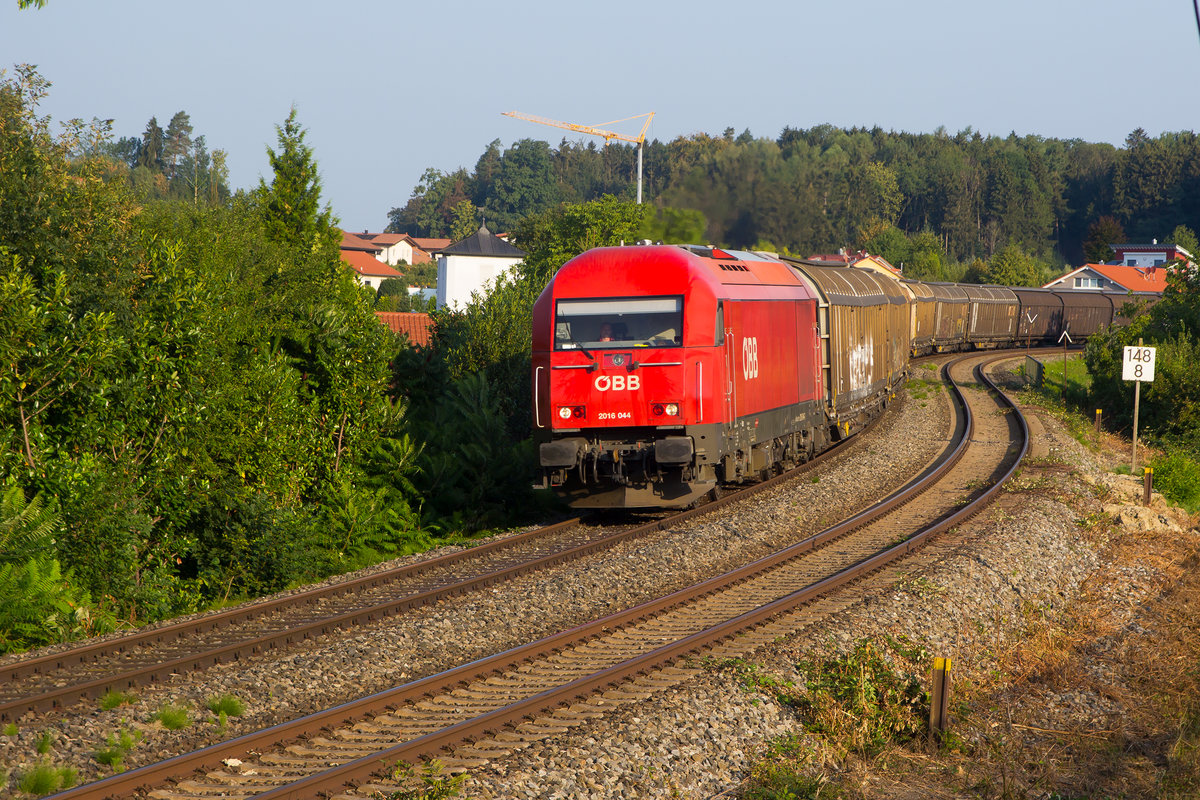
(1138, 364)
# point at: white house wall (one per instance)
(459, 276)
(1144, 259)
(400, 251)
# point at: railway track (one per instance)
(498, 702)
(58, 680)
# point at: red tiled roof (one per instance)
(1135, 279)
(413, 324)
(352, 242)
(388, 239)
(367, 264)
(431, 244)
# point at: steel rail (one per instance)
(178, 630)
(58, 697)
(362, 768)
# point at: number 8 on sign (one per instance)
(1138, 364)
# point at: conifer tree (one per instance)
(177, 142)
(291, 203)
(150, 155)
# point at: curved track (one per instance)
(55, 681)
(551, 684)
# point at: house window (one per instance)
(1158, 262)
(1132, 262)
(1087, 283)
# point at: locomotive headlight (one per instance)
(657, 409)
(578, 412)
(672, 409)
(564, 412)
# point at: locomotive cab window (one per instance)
(631, 322)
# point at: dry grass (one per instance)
(1102, 701)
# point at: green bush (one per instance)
(246, 545)
(39, 602)
(1177, 478)
(860, 702)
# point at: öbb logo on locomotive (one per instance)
(617, 383)
(750, 357)
(635, 352)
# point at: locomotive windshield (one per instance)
(605, 323)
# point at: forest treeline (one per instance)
(168, 163)
(955, 198)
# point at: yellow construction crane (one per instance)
(593, 130)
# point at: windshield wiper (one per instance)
(585, 351)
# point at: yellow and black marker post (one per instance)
(939, 696)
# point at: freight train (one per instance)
(661, 373)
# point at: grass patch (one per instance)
(785, 773)
(45, 779)
(226, 705)
(113, 698)
(852, 705)
(922, 388)
(1077, 424)
(754, 678)
(173, 717)
(921, 586)
(11, 730)
(117, 748)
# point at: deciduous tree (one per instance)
(1102, 234)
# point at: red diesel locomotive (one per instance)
(660, 372)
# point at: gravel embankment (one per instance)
(967, 598)
(333, 669)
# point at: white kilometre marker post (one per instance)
(1068, 341)
(1137, 365)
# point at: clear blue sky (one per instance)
(387, 89)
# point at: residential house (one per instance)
(469, 264)
(394, 247)
(1150, 255)
(1112, 278)
(862, 259)
(369, 270)
(358, 244)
